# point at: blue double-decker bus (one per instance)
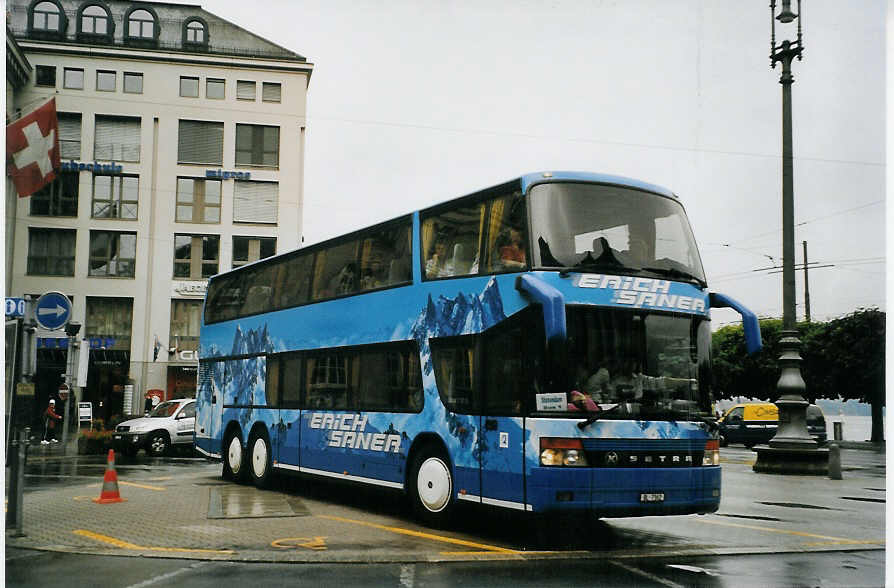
(542, 345)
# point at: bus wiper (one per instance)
(594, 416)
(676, 273)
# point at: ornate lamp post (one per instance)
(792, 450)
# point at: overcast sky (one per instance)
(413, 103)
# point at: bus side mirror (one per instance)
(749, 320)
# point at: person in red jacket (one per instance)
(51, 418)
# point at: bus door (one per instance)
(210, 406)
(502, 451)
(284, 388)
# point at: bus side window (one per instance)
(455, 373)
(507, 234)
(290, 381)
(273, 387)
(451, 241)
(505, 372)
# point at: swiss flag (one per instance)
(32, 149)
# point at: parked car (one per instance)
(753, 423)
(170, 424)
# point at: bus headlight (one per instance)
(556, 451)
(712, 453)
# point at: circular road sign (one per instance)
(53, 310)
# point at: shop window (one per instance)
(196, 256)
(186, 318)
(58, 198)
(113, 254)
(249, 249)
(109, 319)
(51, 252)
(115, 196)
(198, 200)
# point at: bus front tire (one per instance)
(260, 459)
(431, 485)
(233, 458)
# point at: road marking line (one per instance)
(780, 531)
(125, 545)
(487, 548)
(645, 574)
(144, 486)
(317, 543)
(169, 575)
(849, 542)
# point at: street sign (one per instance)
(63, 391)
(15, 307)
(53, 310)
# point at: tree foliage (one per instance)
(842, 358)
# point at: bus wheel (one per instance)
(431, 485)
(260, 459)
(233, 460)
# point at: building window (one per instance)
(133, 82)
(45, 75)
(115, 196)
(117, 138)
(94, 20)
(51, 252)
(195, 34)
(257, 145)
(112, 254)
(73, 78)
(105, 81)
(271, 92)
(198, 200)
(200, 142)
(186, 318)
(255, 202)
(47, 16)
(58, 198)
(196, 256)
(245, 90)
(109, 319)
(69, 135)
(141, 24)
(189, 87)
(248, 249)
(215, 89)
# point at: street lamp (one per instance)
(792, 450)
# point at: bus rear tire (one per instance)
(233, 458)
(431, 488)
(260, 459)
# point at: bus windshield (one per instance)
(636, 364)
(612, 229)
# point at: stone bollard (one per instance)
(834, 461)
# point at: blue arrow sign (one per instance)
(15, 307)
(52, 311)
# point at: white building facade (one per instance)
(182, 139)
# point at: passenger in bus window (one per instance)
(513, 254)
(436, 266)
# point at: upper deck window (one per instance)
(612, 229)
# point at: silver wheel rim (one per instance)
(433, 484)
(234, 455)
(259, 457)
(158, 444)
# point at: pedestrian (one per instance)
(49, 435)
(147, 407)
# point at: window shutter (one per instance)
(245, 90)
(255, 202)
(117, 139)
(271, 92)
(200, 142)
(70, 135)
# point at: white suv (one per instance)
(170, 423)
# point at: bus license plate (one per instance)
(651, 497)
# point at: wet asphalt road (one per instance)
(618, 538)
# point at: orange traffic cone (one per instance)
(109, 483)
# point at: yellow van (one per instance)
(749, 423)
